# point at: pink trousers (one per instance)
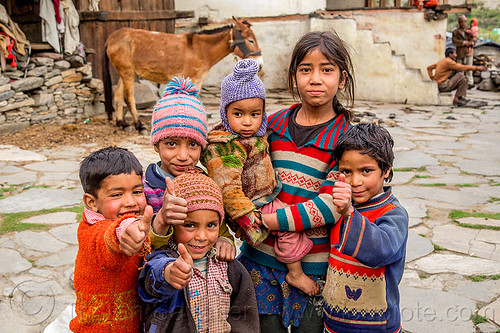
(289, 246)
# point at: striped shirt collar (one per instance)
(326, 139)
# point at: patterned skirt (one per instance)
(276, 296)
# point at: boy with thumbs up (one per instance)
(184, 287)
(368, 245)
(106, 266)
(178, 135)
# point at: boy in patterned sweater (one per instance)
(367, 255)
(178, 135)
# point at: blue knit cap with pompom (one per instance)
(179, 113)
(242, 83)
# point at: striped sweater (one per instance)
(308, 174)
(366, 264)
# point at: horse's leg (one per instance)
(118, 101)
(128, 84)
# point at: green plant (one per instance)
(422, 176)
(423, 275)
(433, 184)
(479, 278)
(493, 199)
(477, 319)
(11, 221)
(437, 247)
(479, 226)
(421, 169)
(467, 185)
(458, 214)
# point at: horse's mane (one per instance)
(215, 31)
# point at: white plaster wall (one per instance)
(218, 10)
(422, 42)
(276, 40)
(390, 49)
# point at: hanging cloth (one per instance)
(49, 24)
(71, 22)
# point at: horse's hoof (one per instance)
(143, 132)
(122, 124)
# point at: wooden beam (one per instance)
(135, 15)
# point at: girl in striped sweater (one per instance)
(301, 141)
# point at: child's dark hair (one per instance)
(105, 162)
(370, 139)
(330, 44)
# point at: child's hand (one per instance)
(225, 249)
(342, 194)
(180, 271)
(132, 238)
(173, 211)
(257, 218)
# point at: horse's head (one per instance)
(245, 43)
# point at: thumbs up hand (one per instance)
(132, 238)
(173, 211)
(179, 272)
(342, 194)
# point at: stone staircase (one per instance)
(392, 80)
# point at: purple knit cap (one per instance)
(179, 113)
(242, 83)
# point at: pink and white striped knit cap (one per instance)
(179, 113)
(200, 191)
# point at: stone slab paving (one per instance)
(437, 293)
(36, 199)
(431, 310)
(53, 218)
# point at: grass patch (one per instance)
(497, 184)
(422, 176)
(478, 319)
(467, 185)
(437, 247)
(433, 184)
(458, 214)
(493, 199)
(423, 275)
(479, 226)
(421, 235)
(479, 278)
(421, 169)
(11, 222)
(6, 190)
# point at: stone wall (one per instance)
(48, 90)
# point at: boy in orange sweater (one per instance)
(106, 267)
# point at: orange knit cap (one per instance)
(474, 21)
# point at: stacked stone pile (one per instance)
(488, 80)
(48, 90)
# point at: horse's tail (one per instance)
(106, 79)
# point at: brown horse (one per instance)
(158, 57)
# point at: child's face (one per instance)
(178, 154)
(119, 195)
(199, 232)
(318, 79)
(245, 116)
(364, 175)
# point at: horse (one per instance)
(159, 56)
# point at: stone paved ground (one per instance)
(446, 159)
